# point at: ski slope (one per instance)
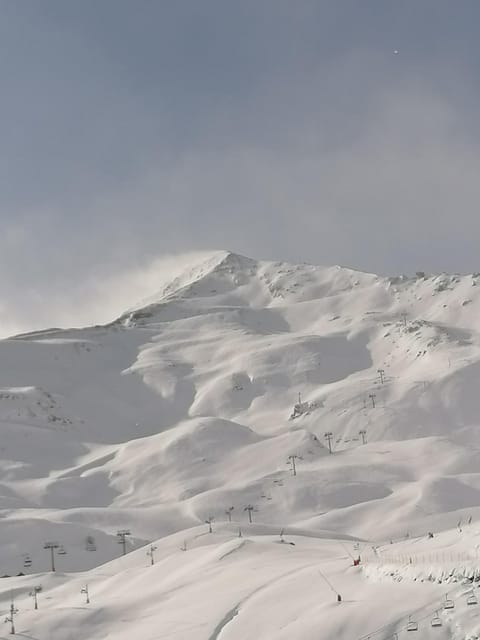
(188, 405)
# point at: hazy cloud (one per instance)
(279, 131)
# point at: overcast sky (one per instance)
(134, 130)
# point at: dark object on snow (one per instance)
(339, 597)
(430, 534)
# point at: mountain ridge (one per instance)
(191, 410)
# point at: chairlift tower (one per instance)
(372, 397)
(328, 436)
(11, 617)
(34, 593)
(363, 434)
(381, 373)
(85, 591)
(291, 460)
(52, 546)
(228, 513)
(122, 539)
(249, 508)
(210, 520)
(151, 553)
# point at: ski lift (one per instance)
(448, 604)
(61, 551)
(27, 561)
(412, 624)
(90, 543)
(436, 622)
(472, 599)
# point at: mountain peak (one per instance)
(236, 260)
(218, 264)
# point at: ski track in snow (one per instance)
(236, 610)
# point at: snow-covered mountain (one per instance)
(188, 405)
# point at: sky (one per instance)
(136, 131)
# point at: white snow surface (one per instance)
(182, 408)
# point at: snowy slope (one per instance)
(182, 408)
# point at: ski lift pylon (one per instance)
(412, 624)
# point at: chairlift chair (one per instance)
(436, 622)
(61, 551)
(448, 604)
(472, 599)
(412, 624)
(27, 562)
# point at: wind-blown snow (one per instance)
(185, 407)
